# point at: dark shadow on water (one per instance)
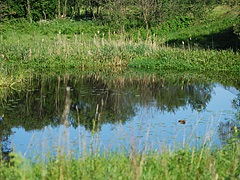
(223, 40)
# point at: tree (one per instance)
(147, 8)
(59, 8)
(29, 11)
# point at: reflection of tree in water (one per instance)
(96, 101)
(171, 95)
(97, 104)
(5, 132)
(227, 129)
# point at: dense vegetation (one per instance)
(182, 164)
(119, 37)
(120, 14)
(84, 45)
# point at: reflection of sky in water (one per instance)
(158, 129)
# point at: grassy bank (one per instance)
(181, 164)
(84, 45)
(36, 51)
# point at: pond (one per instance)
(87, 114)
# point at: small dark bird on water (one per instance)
(2, 118)
(182, 121)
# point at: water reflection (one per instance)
(93, 106)
(5, 132)
(231, 126)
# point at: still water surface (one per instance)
(96, 115)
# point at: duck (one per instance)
(2, 118)
(182, 121)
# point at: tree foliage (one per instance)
(123, 13)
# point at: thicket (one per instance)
(120, 13)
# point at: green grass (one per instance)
(41, 53)
(215, 31)
(179, 164)
(59, 44)
(182, 60)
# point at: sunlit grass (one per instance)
(62, 51)
(186, 163)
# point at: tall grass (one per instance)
(186, 163)
(76, 51)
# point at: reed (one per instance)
(183, 163)
(65, 51)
